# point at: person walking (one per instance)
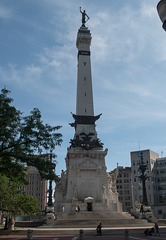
(156, 226)
(99, 231)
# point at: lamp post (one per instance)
(161, 9)
(50, 203)
(50, 186)
(143, 177)
(50, 216)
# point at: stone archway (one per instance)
(89, 201)
(90, 206)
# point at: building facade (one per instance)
(149, 159)
(160, 180)
(123, 185)
(155, 182)
(36, 186)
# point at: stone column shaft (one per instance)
(84, 103)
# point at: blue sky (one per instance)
(38, 60)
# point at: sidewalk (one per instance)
(111, 237)
(89, 234)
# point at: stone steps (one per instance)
(94, 223)
(92, 219)
(93, 215)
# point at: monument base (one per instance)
(143, 212)
(86, 184)
(89, 205)
(50, 216)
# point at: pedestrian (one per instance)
(152, 230)
(146, 232)
(156, 226)
(98, 229)
(141, 209)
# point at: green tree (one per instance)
(13, 202)
(24, 140)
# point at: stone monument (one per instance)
(85, 185)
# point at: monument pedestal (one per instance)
(85, 184)
(147, 213)
(143, 212)
(50, 216)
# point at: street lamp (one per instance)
(161, 8)
(50, 216)
(143, 177)
(50, 203)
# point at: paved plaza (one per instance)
(89, 234)
(115, 237)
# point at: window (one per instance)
(127, 197)
(160, 212)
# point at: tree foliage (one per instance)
(14, 202)
(25, 140)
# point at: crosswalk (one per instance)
(74, 238)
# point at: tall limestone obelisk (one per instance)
(85, 183)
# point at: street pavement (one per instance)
(89, 234)
(111, 237)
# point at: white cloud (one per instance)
(127, 35)
(33, 71)
(5, 12)
(148, 9)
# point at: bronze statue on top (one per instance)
(84, 15)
